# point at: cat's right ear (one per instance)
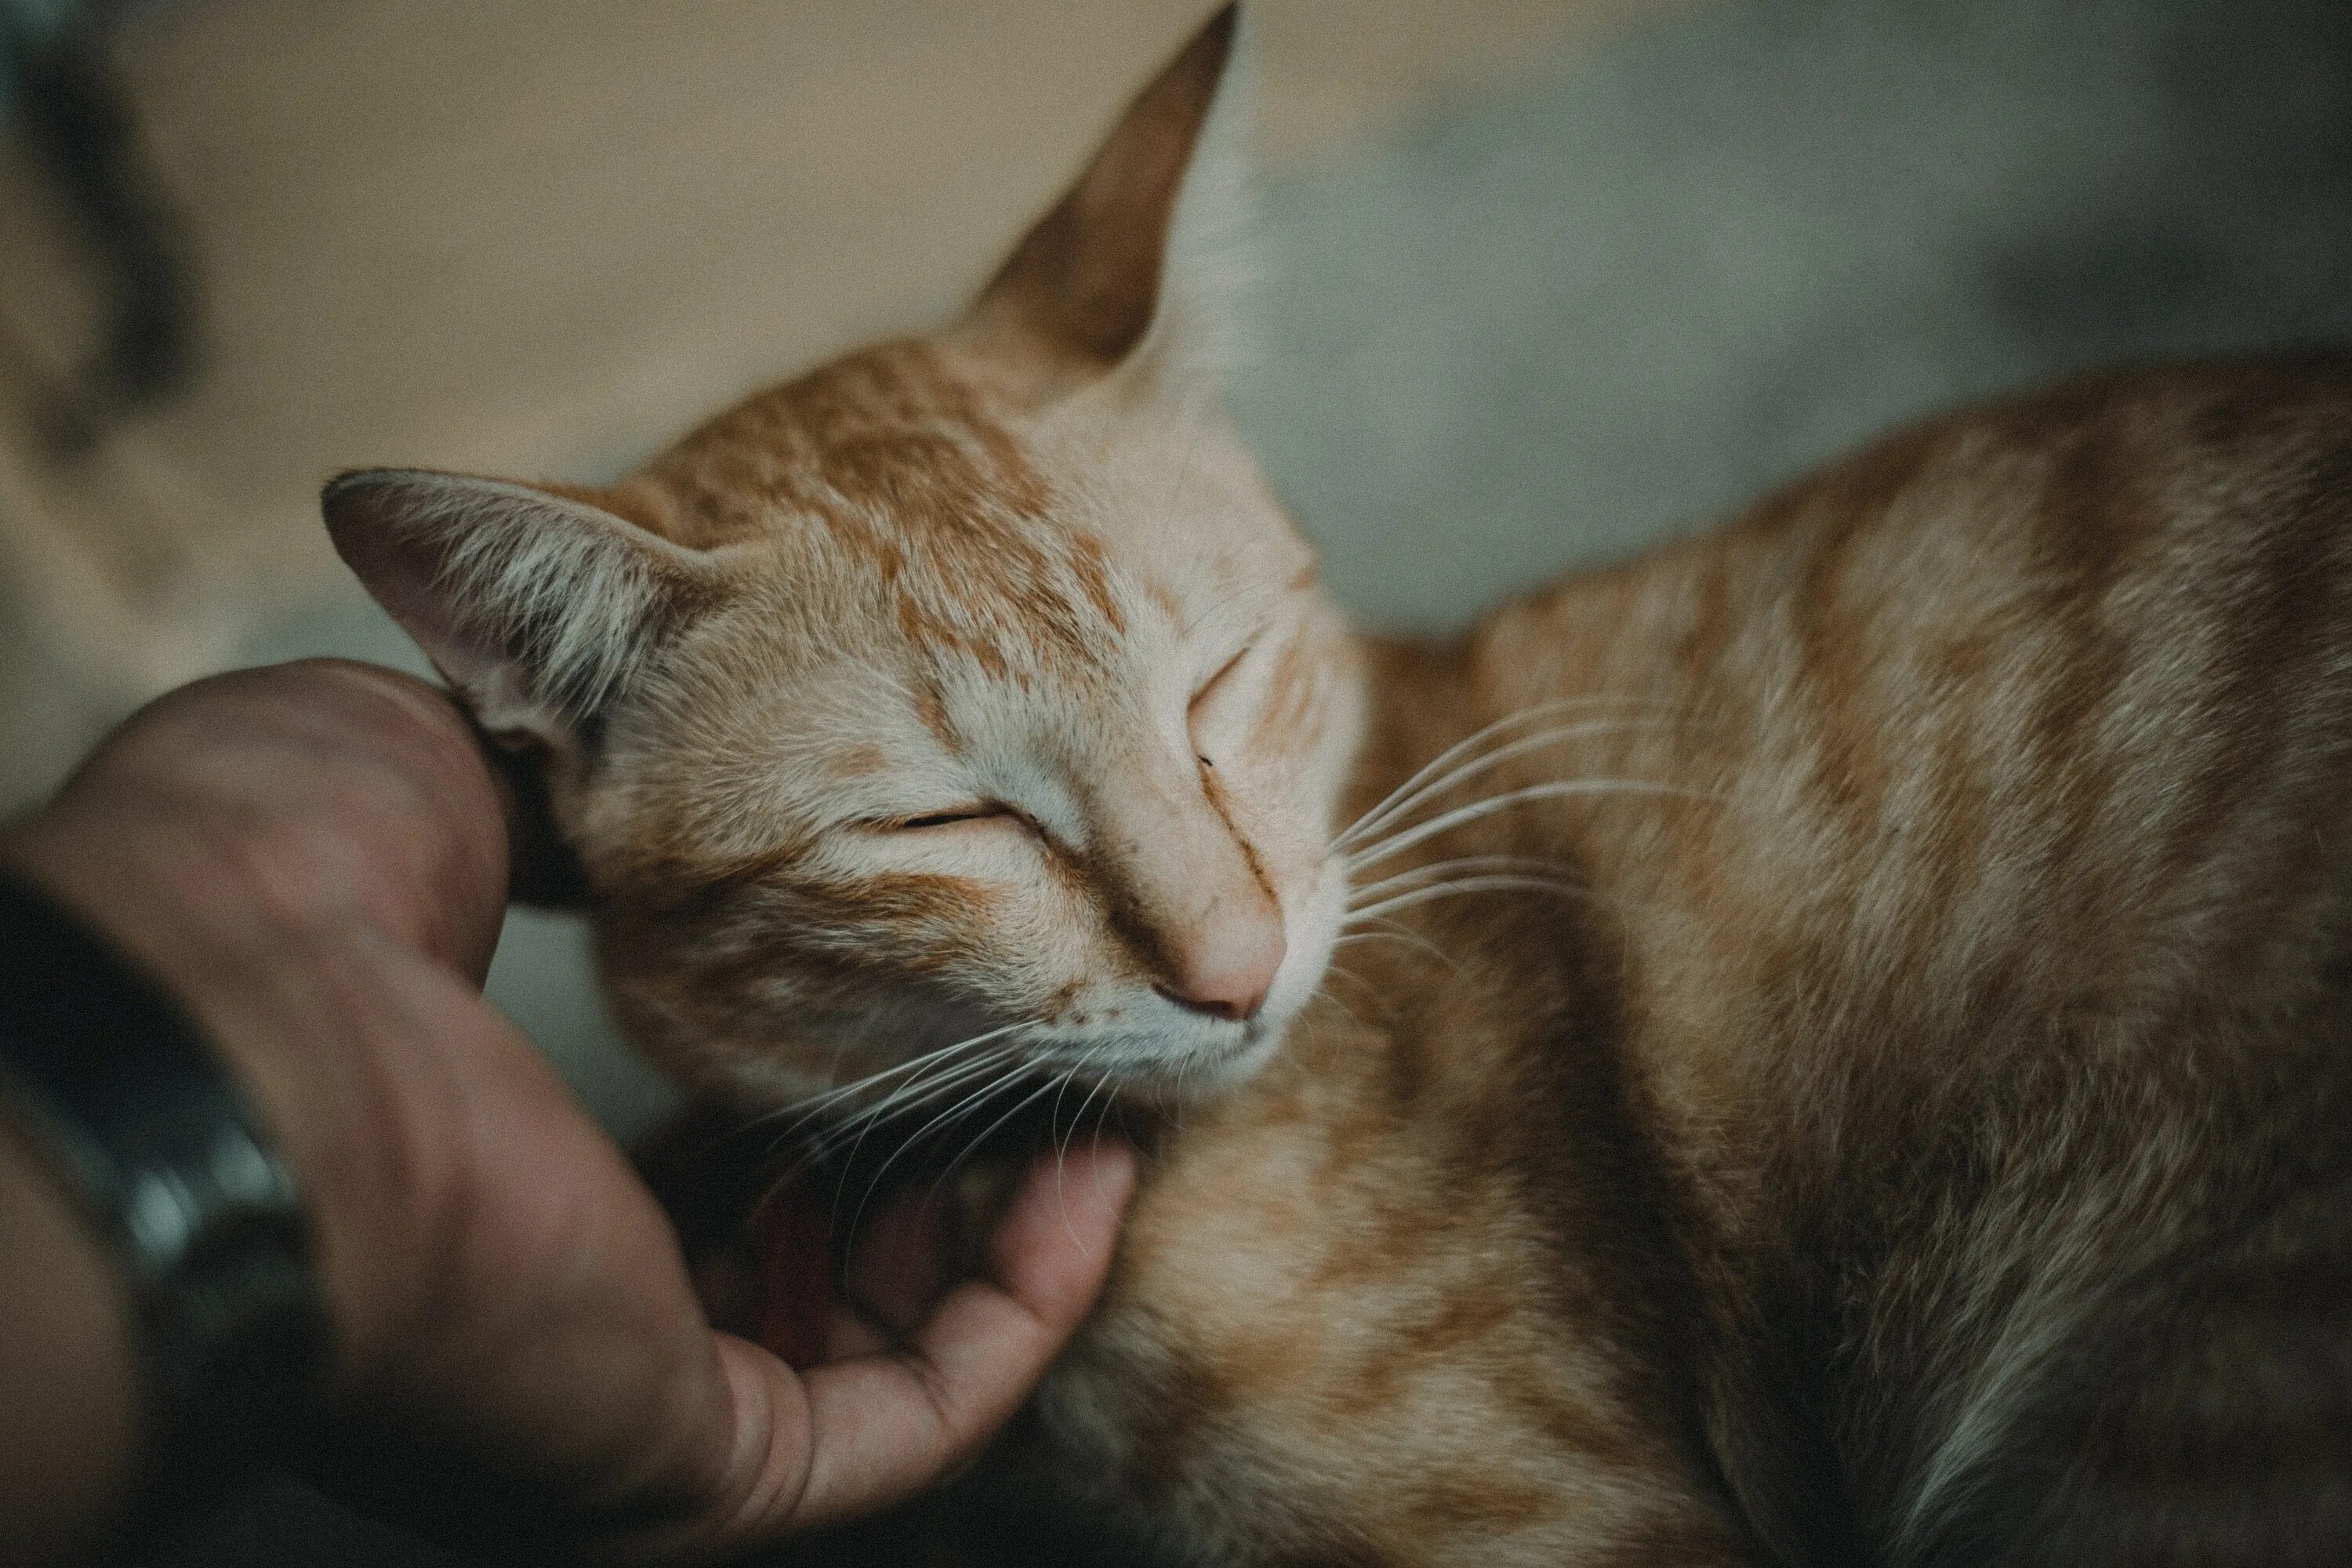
(537, 607)
(1139, 259)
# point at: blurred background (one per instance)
(1541, 279)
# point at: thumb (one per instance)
(855, 1436)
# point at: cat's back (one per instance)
(2015, 938)
(2052, 699)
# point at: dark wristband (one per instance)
(147, 1130)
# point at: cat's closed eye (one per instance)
(1209, 688)
(1215, 712)
(955, 816)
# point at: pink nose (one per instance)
(1227, 973)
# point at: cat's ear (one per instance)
(538, 607)
(1140, 255)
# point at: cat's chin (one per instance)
(1147, 1069)
(1230, 1070)
(1201, 1073)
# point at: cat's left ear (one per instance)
(539, 607)
(1140, 259)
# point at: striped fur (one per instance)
(1845, 1057)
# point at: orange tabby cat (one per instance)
(1845, 1055)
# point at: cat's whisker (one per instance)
(908, 1097)
(938, 1068)
(1532, 864)
(819, 1104)
(1353, 1017)
(802, 1111)
(911, 1099)
(1061, 1194)
(1096, 1087)
(1334, 971)
(976, 1145)
(1017, 1074)
(1000, 1071)
(1084, 1058)
(953, 1114)
(1469, 768)
(1380, 810)
(1062, 1146)
(1385, 809)
(1394, 930)
(905, 1097)
(1471, 885)
(1349, 1010)
(946, 1075)
(834, 1067)
(1559, 789)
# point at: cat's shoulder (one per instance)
(2132, 452)
(2237, 409)
(2223, 398)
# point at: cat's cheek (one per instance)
(1310, 930)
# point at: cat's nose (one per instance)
(1226, 971)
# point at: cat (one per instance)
(1831, 1043)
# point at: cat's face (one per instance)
(970, 689)
(1007, 716)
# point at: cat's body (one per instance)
(1934, 1134)
(1876, 1090)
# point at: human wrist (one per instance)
(281, 997)
(108, 1079)
(68, 1447)
(302, 857)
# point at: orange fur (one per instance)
(1848, 1061)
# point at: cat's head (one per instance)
(973, 683)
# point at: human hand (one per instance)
(314, 859)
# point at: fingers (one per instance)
(1054, 1246)
(900, 1267)
(885, 1425)
(879, 1427)
(301, 793)
(395, 772)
